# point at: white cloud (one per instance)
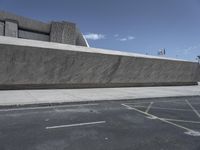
(131, 37)
(123, 39)
(94, 36)
(128, 38)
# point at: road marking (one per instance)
(189, 131)
(157, 101)
(177, 120)
(195, 111)
(46, 107)
(127, 106)
(164, 108)
(75, 125)
(148, 108)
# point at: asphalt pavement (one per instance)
(139, 124)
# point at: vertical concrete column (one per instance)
(11, 29)
(1, 28)
(63, 32)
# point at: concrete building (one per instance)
(20, 27)
(34, 54)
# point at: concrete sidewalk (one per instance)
(23, 97)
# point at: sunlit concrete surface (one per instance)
(30, 64)
(20, 97)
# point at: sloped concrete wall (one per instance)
(33, 64)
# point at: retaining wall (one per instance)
(37, 64)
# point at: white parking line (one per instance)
(177, 109)
(157, 101)
(46, 107)
(75, 125)
(186, 121)
(195, 111)
(148, 108)
(189, 131)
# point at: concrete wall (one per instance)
(26, 23)
(34, 64)
(60, 32)
(33, 35)
(1, 28)
(11, 29)
(80, 39)
(63, 32)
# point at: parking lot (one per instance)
(144, 124)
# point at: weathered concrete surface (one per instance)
(23, 97)
(11, 29)
(60, 32)
(80, 39)
(63, 32)
(26, 23)
(1, 28)
(33, 35)
(37, 64)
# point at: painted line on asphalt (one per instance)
(148, 108)
(157, 101)
(195, 103)
(75, 125)
(46, 107)
(177, 109)
(185, 121)
(189, 131)
(195, 111)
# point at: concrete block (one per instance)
(1, 28)
(63, 32)
(56, 32)
(11, 29)
(32, 35)
(26, 23)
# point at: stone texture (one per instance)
(26, 23)
(11, 29)
(63, 32)
(1, 28)
(32, 35)
(34, 64)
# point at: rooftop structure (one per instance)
(20, 27)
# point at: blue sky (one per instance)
(141, 26)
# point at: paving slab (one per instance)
(23, 97)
